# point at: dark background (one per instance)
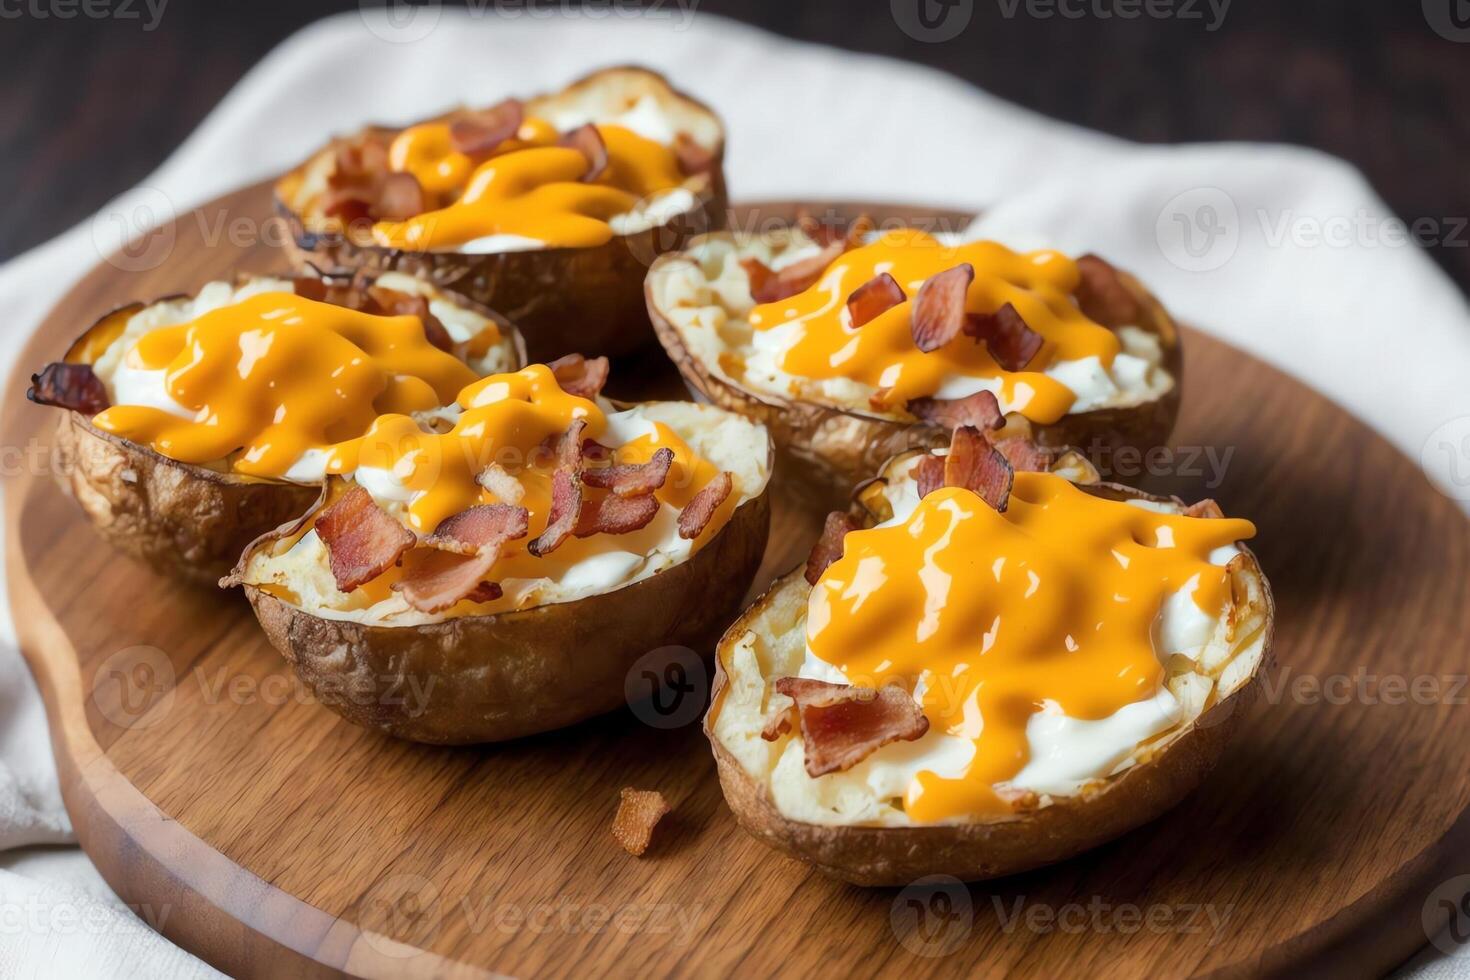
(89, 106)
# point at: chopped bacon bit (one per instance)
(829, 546)
(615, 515)
(499, 481)
(842, 725)
(639, 811)
(693, 158)
(362, 186)
(1102, 295)
(874, 298)
(566, 508)
(770, 286)
(981, 410)
(1024, 455)
(586, 140)
(483, 131)
(73, 386)
(485, 592)
(633, 479)
(929, 474)
(569, 446)
(400, 197)
(975, 464)
(778, 725)
(701, 507)
(362, 540)
(463, 548)
(1010, 341)
(938, 312)
(1206, 508)
(395, 303)
(580, 376)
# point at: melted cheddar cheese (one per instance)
(1001, 614)
(882, 352)
(530, 188)
(269, 378)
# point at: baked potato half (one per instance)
(809, 331)
(549, 210)
(501, 577)
(187, 506)
(979, 768)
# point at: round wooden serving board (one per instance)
(270, 837)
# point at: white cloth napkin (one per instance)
(1224, 234)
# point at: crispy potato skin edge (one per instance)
(492, 678)
(181, 520)
(564, 300)
(978, 851)
(836, 448)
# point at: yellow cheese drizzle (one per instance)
(882, 352)
(276, 374)
(531, 187)
(1052, 601)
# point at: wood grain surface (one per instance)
(270, 837)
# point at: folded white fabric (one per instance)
(1284, 252)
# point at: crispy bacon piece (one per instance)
(586, 140)
(1206, 508)
(73, 386)
(1024, 455)
(1102, 296)
(778, 724)
(829, 546)
(980, 410)
(615, 515)
(395, 303)
(485, 592)
(693, 158)
(362, 540)
(581, 376)
(461, 551)
(701, 507)
(639, 811)
(975, 464)
(842, 725)
(929, 474)
(632, 479)
(1010, 341)
(362, 186)
(938, 312)
(569, 447)
(499, 481)
(874, 298)
(566, 508)
(483, 131)
(770, 285)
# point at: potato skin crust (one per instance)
(565, 300)
(836, 448)
(978, 851)
(492, 678)
(182, 520)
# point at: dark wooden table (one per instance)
(89, 104)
